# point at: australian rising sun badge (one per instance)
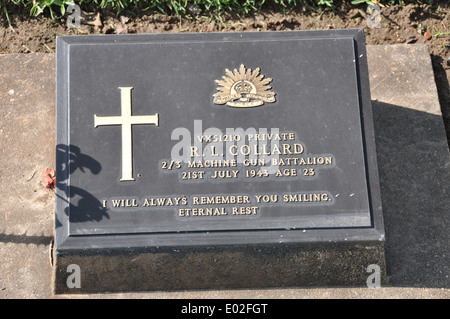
(244, 88)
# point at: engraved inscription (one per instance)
(222, 205)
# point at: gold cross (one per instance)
(126, 120)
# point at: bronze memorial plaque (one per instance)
(178, 150)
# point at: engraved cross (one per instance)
(126, 120)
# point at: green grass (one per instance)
(56, 8)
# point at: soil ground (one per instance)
(413, 23)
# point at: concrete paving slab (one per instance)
(27, 129)
(414, 165)
(413, 159)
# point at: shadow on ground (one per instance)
(443, 89)
(414, 163)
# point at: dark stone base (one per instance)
(225, 267)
